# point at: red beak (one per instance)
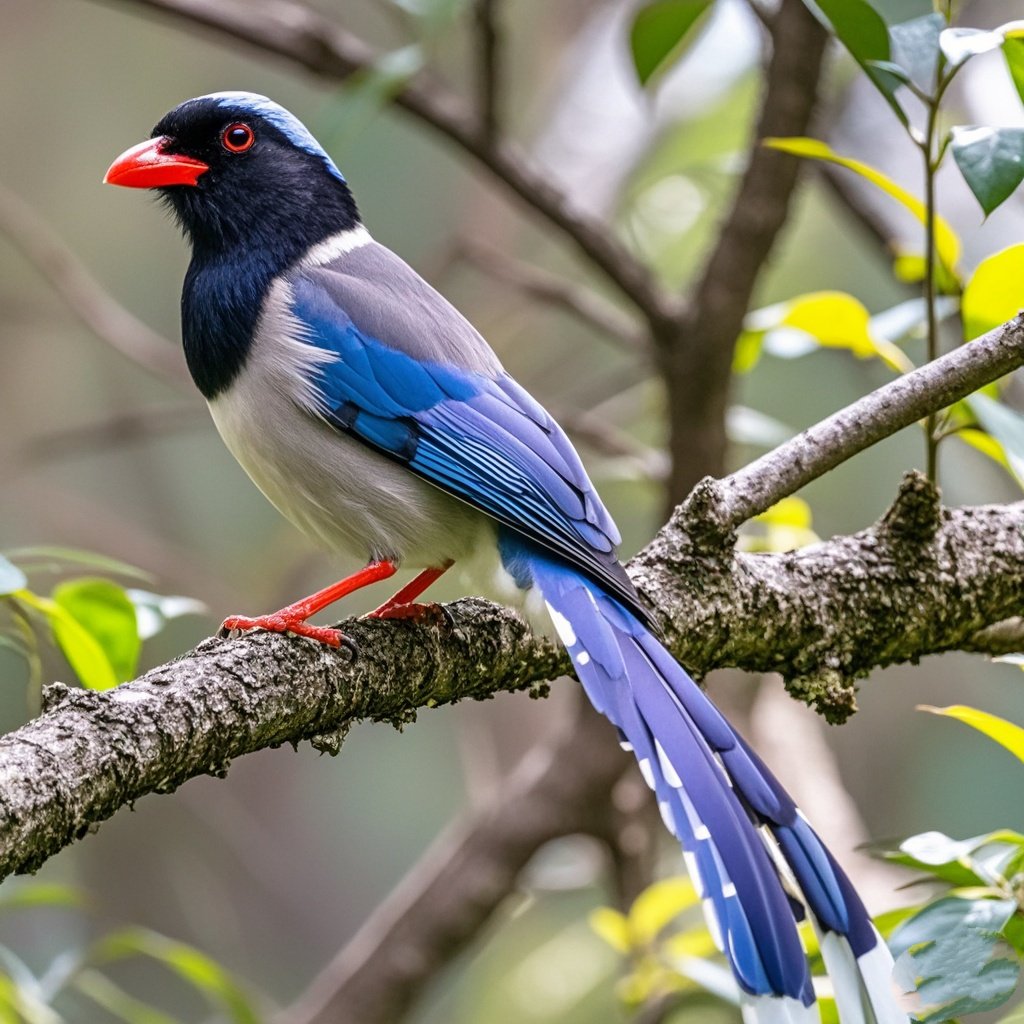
(148, 166)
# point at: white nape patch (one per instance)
(563, 627)
(777, 1010)
(336, 246)
(667, 768)
(583, 659)
(646, 771)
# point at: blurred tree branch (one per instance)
(101, 313)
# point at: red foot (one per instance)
(278, 623)
(411, 612)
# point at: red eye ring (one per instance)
(237, 137)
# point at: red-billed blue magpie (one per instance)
(374, 416)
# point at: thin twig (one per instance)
(124, 428)
(101, 313)
(811, 454)
(544, 286)
(488, 69)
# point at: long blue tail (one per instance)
(755, 859)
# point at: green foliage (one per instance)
(946, 240)
(991, 161)
(661, 32)
(961, 952)
(860, 28)
(26, 998)
(667, 944)
(994, 293)
(94, 622)
(1004, 733)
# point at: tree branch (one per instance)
(302, 36)
(834, 440)
(441, 904)
(101, 313)
(696, 353)
(584, 303)
(922, 580)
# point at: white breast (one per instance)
(332, 487)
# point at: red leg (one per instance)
(292, 619)
(402, 605)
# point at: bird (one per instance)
(377, 419)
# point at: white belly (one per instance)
(340, 493)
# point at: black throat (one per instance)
(238, 250)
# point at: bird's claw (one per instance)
(235, 625)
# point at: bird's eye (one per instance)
(237, 138)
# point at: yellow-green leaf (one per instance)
(659, 904)
(83, 652)
(995, 292)
(947, 243)
(105, 611)
(613, 927)
(834, 320)
(1003, 732)
(791, 511)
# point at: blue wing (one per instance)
(476, 435)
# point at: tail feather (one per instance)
(741, 832)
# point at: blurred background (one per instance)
(271, 869)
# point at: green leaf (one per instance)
(105, 611)
(41, 894)
(860, 28)
(995, 291)
(946, 241)
(193, 967)
(1013, 52)
(915, 47)
(1006, 426)
(366, 94)
(659, 35)
(960, 44)
(1005, 733)
(991, 161)
(83, 652)
(56, 559)
(118, 1003)
(951, 956)
(11, 577)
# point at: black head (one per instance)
(239, 170)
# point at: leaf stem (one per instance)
(932, 160)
